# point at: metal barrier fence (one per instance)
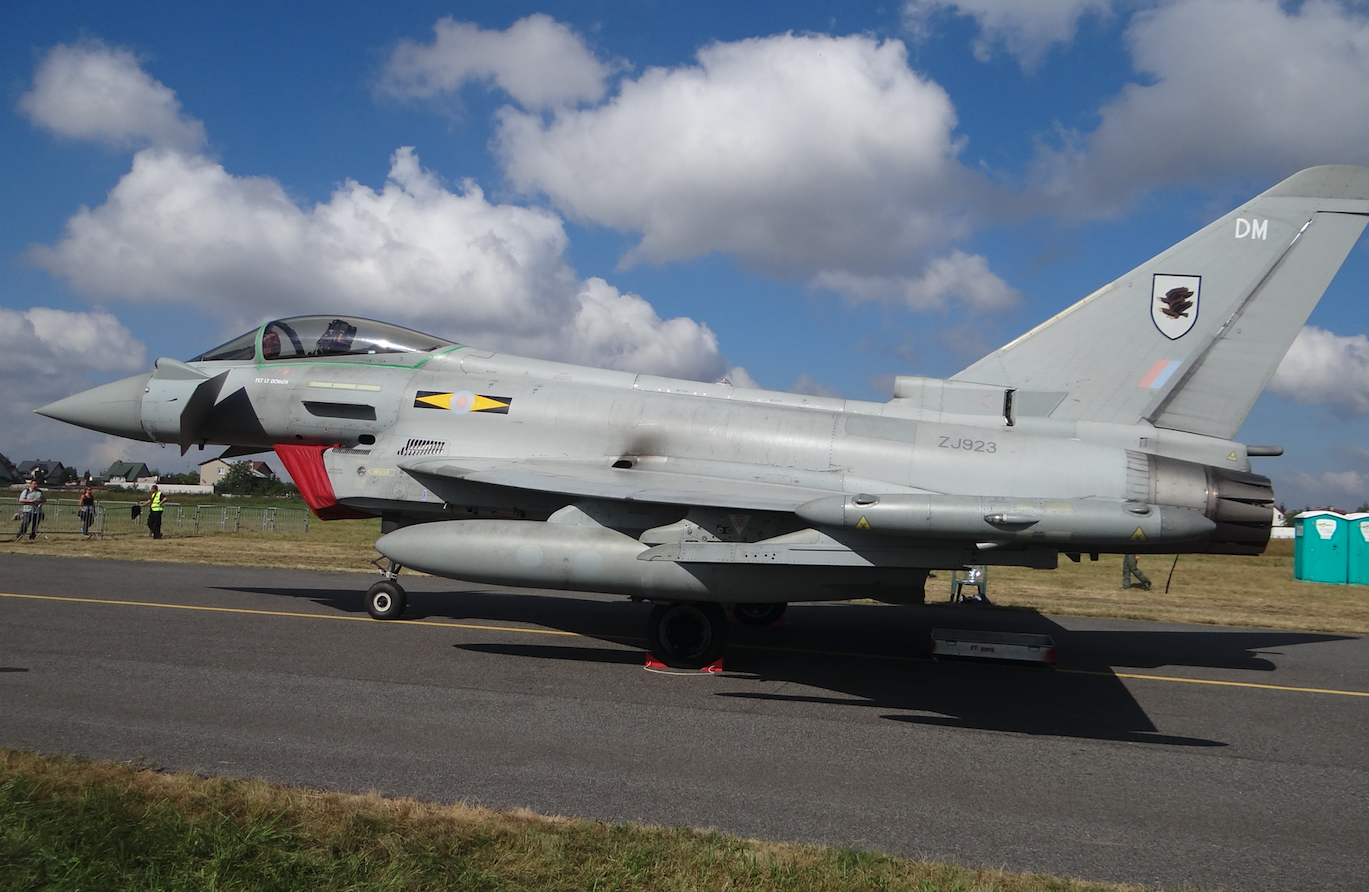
(117, 518)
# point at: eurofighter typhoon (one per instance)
(1105, 429)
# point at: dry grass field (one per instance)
(343, 545)
(1217, 589)
(69, 824)
(1221, 589)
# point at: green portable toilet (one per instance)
(1320, 550)
(1357, 535)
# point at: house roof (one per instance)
(47, 464)
(128, 470)
(259, 468)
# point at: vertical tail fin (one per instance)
(1189, 339)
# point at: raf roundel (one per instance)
(462, 402)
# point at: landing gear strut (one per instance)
(687, 634)
(386, 599)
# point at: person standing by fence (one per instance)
(154, 513)
(31, 499)
(87, 511)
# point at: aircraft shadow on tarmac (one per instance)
(879, 657)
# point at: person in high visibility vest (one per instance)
(154, 513)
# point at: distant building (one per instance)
(127, 473)
(47, 470)
(212, 471)
(8, 472)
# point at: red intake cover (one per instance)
(305, 465)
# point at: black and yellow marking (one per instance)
(489, 405)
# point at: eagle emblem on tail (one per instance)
(1174, 304)
(1177, 302)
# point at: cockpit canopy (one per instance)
(311, 337)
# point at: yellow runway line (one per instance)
(528, 631)
(1226, 684)
(359, 619)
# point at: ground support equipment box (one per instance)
(1016, 647)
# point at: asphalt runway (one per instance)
(1160, 754)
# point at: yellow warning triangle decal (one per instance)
(1232, 457)
(863, 524)
(440, 400)
(1138, 536)
(484, 404)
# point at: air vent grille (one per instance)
(423, 447)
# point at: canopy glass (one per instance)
(310, 337)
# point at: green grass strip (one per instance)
(71, 824)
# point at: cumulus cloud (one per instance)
(95, 340)
(738, 376)
(1236, 87)
(804, 156)
(179, 228)
(964, 276)
(1026, 30)
(806, 384)
(538, 61)
(1345, 489)
(48, 355)
(1326, 369)
(100, 93)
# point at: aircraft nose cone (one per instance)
(114, 408)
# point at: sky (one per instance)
(800, 196)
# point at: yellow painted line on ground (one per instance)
(1213, 681)
(528, 631)
(359, 619)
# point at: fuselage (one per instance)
(393, 417)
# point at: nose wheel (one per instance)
(687, 634)
(386, 600)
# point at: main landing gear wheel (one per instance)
(759, 614)
(386, 600)
(687, 634)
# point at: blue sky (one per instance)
(806, 196)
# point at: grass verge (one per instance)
(341, 545)
(67, 823)
(1217, 589)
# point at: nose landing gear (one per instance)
(386, 599)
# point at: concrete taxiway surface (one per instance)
(1159, 754)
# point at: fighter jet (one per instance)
(1107, 428)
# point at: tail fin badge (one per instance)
(1174, 304)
